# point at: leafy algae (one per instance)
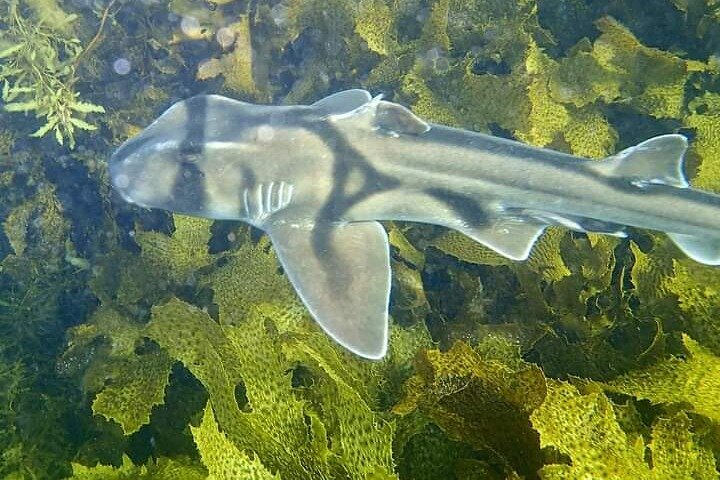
(38, 71)
(585, 428)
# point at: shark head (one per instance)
(159, 167)
(206, 156)
(148, 175)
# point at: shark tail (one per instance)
(659, 161)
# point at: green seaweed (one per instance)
(483, 402)
(705, 119)
(693, 381)
(38, 71)
(244, 350)
(375, 24)
(584, 427)
(222, 457)
(163, 469)
(179, 255)
(618, 68)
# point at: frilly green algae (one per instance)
(251, 277)
(16, 226)
(428, 454)
(236, 66)
(273, 423)
(697, 291)
(466, 249)
(41, 215)
(584, 428)
(705, 119)
(410, 298)
(375, 24)
(677, 453)
(137, 387)
(126, 385)
(407, 251)
(590, 134)
(49, 12)
(618, 68)
(693, 382)
(485, 403)
(553, 117)
(545, 258)
(128, 281)
(258, 343)
(224, 460)
(547, 117)
(163, 469)
(182, 253)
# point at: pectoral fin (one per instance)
(703, 250)
(342, 274)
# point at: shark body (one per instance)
(318, 178)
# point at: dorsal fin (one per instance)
(375, 113)
(657, 160)
(343, 102)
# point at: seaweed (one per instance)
(39, 71)
(236, 66)
(164, 468)
(483, 402)
(692, 381)
(704, 120)
(585, 428)
(222, 457)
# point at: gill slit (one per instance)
(266, 199)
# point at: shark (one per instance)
(319, 179)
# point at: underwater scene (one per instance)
(142, 343)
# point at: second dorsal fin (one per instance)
(655, 161)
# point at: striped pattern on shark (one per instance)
(319, 178)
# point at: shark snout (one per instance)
(146, 172)
(123, 171)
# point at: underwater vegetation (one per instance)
(136, 344)
(39, 69)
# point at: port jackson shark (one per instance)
(318, 179)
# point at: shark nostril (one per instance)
(121, 181)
